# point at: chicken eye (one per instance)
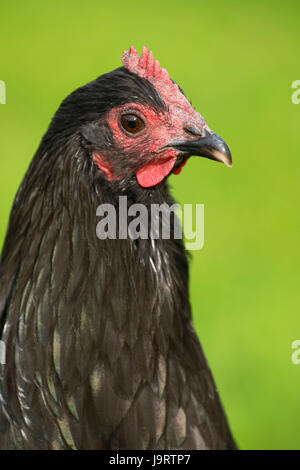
(132, 123)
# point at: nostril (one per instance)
(194, 131)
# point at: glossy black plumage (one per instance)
(101, 352)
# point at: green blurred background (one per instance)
(236, 61)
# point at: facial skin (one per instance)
(152, 141)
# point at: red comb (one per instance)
(146, 67)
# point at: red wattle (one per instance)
(153, 173)
(176, 172)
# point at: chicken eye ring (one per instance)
(134, 114)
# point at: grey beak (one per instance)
(209, 146)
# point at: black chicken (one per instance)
(101, 352)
